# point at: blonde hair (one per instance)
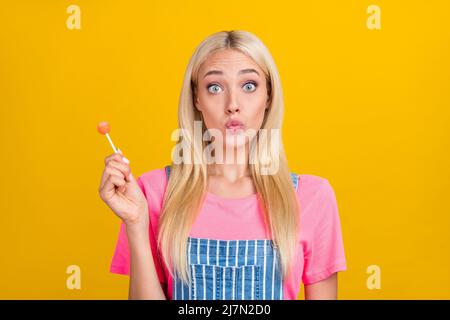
(188, 180)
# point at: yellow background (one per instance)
(366, 109)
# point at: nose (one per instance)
(232, 109)
(232, 106)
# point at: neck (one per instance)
(233, 167)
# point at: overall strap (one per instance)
(294, 177)
(167, 171)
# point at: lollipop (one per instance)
(103, 127)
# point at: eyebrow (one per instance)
(243, 71)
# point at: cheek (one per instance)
(256, 110)
(209, 103)
(210, 112)
(211, 120)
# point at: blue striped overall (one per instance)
(231, 269)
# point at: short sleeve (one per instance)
(120, 263)
(324, 254)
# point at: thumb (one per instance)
(135, 189)
(130, 177)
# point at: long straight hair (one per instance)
(186, 187)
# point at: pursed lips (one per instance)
(234, 124)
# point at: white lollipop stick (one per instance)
(111, 143)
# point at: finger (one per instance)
(122, 189)
(125, 169)
(112, 156)
(117, 181)
(117, 157)
(109, 171)
(111, 184)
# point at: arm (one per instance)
(144, 282)
(322, 290)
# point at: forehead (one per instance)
(229, 61)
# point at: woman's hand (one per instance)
(120, 191)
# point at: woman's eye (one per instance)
(214, 88)
(250, 86)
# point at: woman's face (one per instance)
(231, 86)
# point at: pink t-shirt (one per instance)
(319, 255)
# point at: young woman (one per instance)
(208, 228)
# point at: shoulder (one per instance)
(310, 185)
(316, 195)
(153, 176)
(153, 184)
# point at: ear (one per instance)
(196, 104)
(195, 101)
(194, 96)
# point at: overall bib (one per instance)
(231, 269)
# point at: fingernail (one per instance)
(126, 160)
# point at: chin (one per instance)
(236, 142)
(234, 145)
